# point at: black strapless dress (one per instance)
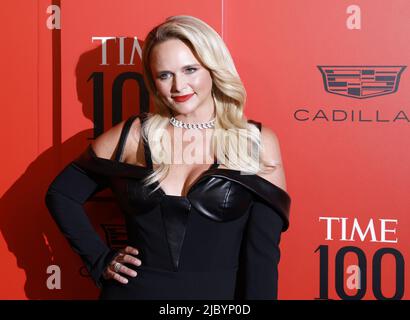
(221, 241)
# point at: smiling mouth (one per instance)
(182, 98)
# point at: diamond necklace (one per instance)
(180, 124)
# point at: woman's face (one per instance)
(176, 72)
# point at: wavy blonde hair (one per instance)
(230, 144)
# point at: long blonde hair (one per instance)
(228, 93)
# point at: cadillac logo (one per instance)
(361, 82)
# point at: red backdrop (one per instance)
(344, 136)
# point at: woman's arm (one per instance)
(260, 252)
(260, 255)
(65, 199)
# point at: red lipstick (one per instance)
(182, 98)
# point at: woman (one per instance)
(197, 229)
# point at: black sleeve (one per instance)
(64, 199)
(257, 277)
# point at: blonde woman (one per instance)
(201, 187)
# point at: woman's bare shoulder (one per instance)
(106, 144)
(271, 154)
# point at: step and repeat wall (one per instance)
(329, 78)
